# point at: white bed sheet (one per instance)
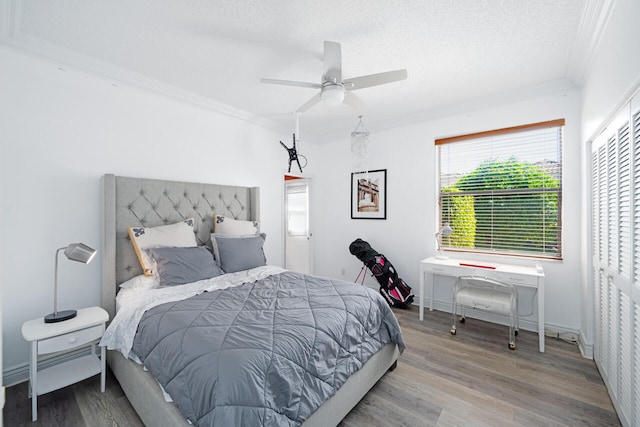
(133, 303)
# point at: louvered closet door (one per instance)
(595, 250)
(615, 249)
(599, 203)
(625, 366)
(635, 260)
(636, 363)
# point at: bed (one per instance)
(130, 202)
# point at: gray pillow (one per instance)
(237, 253)
(177, 266)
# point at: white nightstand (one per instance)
(83, 330)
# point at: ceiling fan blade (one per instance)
(332, 61)
(292, 83)
(354, 102)
(375, 79)
(310, 103)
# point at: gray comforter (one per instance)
(264, 353)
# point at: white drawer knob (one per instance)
(72, 340)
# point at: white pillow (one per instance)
(179, 235)
(226, 225)
(140, 282)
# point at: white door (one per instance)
(297, 226)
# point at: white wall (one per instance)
(2, 398)
(62, 130)
(407, 236)
(615, 72)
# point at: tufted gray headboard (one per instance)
(150, 202)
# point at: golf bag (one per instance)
(393, 289)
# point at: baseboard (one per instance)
(551, 330)
(20, 373)
(15, 375)
(525, 324)
(586, 348)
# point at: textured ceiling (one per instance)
(455, 52)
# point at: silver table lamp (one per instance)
(75, 252)
(446, 230)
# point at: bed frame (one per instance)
(150, 202)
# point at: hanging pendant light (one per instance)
(360, 147)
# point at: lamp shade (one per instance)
(79, 252)
(446, 229)
(75, 252)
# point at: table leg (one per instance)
(421, 293)
(103, 362)
(33, 380)
(541, 314)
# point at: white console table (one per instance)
(531, 276)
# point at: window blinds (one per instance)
(501, 191)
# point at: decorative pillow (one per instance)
(140, 282)
(226, 225)
(179, 234)
(177, 266)
(237, 253)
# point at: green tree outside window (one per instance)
(505, 206)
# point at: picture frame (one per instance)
(369, 194)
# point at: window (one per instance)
(501, 190)
(297, 209)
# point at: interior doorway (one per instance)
(298, 243)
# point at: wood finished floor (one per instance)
(471, 379)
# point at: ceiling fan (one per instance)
(334, 90)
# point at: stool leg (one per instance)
(453, 320)
(512, 339)
(517, 317)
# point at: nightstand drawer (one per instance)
(70, 340)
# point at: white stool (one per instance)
(486, 294)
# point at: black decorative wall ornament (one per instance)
(293, 154)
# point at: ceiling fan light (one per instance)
(332, 95)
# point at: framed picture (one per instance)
(369, 194)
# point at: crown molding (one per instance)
(555, 87)
(595, 17)
(592, 25)
(12, 37)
